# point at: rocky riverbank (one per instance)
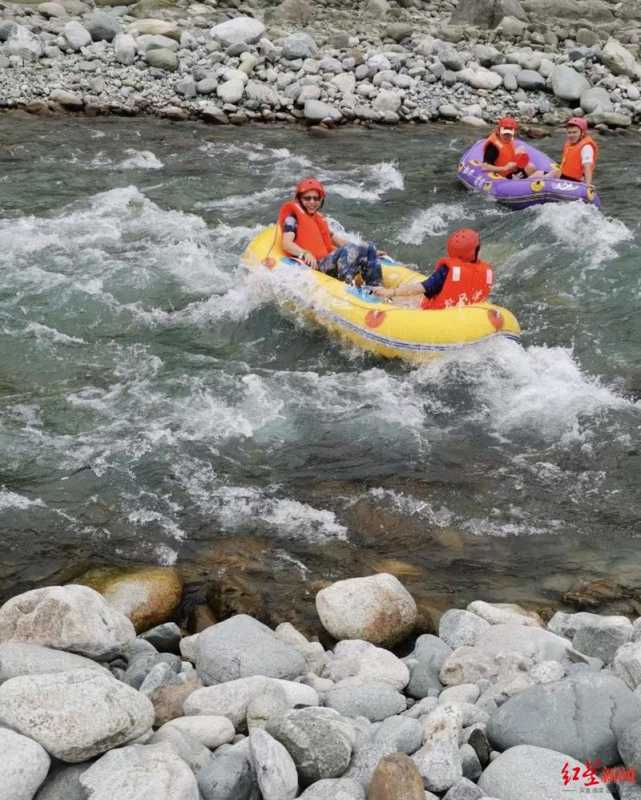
(372, 62)
(497, 706)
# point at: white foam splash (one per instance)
(10, 499)
(434, 221)
(412, 506)
(44, 332)
(376, 181)
(538, 390)
(583, 229)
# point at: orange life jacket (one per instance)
(312, 231)
(507, 151)
(571, 166)
(467, 282)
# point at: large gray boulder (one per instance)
(531, 773)
(187, 747)
(23, 658)
(261, 93)
(63, 783)
(140, 771)
(125, 48)
(211, 731)
(530, 79)
(567, 84)
(229, 776)
(241, 647)
(486, 13)
(375, 701)
(439, 760)
(274, 767)
(457, 628)
(480, 78)
(355, 662)
(601, 638)
(23, 766)
(162, 58)
(22, 42)
(530, 642)
(231, 91)
(334, 789)
(629, 745)
(74, 618)
(597, 99)
(103, 27)
(316, 111)
(231, 699)
(318, 739)
(425, 662)
(578, 715)
(619, 60)
(377, 608)
(77, 35)
(106, 713)
(240, 30)
(627, 664)
(299, 45)
(394, 735)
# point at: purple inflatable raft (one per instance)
(526, 192)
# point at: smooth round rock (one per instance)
(75, 715)
(70, 617)
(24, 765)
(378, 609)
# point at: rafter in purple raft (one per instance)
(526, 192)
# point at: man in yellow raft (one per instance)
(460, 278)
(307, 236)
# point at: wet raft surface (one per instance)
(156, 406)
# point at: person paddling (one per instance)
(460, 278)
(500, 154)
(580, 153)
(306, 235)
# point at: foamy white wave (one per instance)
(583, 229)
(412, 506)
(283, 555)
(166, 555)
(434, 221)
(539, 390)
(143, 517)
(140, 159)
(246, 201)
(377, 181)
(287, 517)
(10, 499)
(257, 152)
(44, 332)
(505, 529)
(108, 220)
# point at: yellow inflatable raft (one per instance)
(392, 331)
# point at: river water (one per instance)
(156, 405)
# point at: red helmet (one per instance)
(508, 122)
(578, 122)
(310, 184)
(464, 244)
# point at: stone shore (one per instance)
(376, 61)
(497, 706)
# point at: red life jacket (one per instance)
(312, 231)
(507, 151)
(571, 166)
(467, 282)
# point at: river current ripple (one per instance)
(153, 398)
